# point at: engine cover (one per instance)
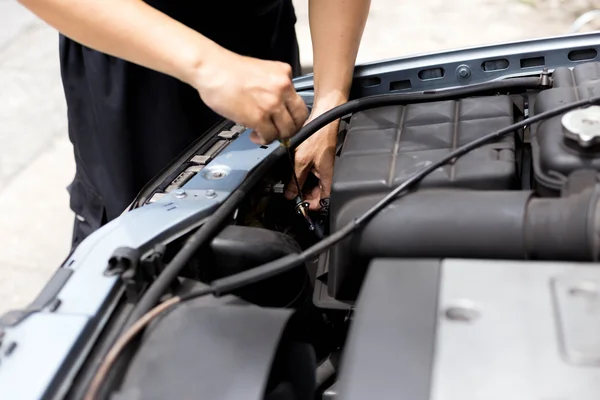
(472, 330)
(385, 146)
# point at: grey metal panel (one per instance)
(505, 341)
(390, 350)
(56, 283)
(577, 312)
(42, 345)
(86, 290)
(519, 55)
(140, 228)
(237, 159)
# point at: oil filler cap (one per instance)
(583, 126)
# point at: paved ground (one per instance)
(36, 157)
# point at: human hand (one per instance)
(317, 155)
(256, 93)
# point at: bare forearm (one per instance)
(128, 29)
(336, 30)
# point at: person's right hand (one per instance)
(256, 93)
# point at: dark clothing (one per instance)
(127, 122)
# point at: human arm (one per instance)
(336, 30)
(258, 94)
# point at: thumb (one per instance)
(256, 139)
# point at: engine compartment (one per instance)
(515, 218)
(492, 203)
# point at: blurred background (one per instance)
(36, 161)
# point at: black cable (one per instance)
(394, 99)
(217, 221)
(228, 284)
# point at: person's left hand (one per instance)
(317, 155)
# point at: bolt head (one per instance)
(464, 72)
(180, 193)
(216, 172)
(210, 193)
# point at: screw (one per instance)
(216, 172)
(464, 72)
(180, 193)
(464, 311)
(211, 194)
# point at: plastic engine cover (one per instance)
(385, 146)
(555, 157)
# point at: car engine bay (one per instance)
(455, 259)
(529, 195)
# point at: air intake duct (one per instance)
(451, 223)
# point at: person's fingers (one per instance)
(255, 138)
(323, 170)
(287, 69)
(284, 123)
(265, 133)
(297, 109)
(325, 181)
(313, 198)
(322, 191)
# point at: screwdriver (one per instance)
(301, 205)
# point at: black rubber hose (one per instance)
(564, 228)
(394, 99)
(437, 223)
(217, 221)
(450, 223)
